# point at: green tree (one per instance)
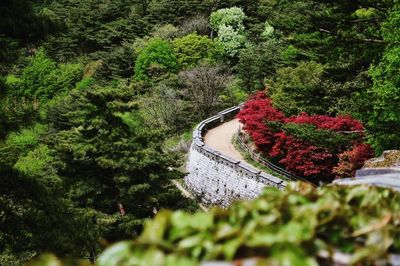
(299, 89)
(155, 59)
(16, 113)
(22, 23)
(233, 17)
(228, 24)
(33, 200)
(174, 11)
(44, 78)
(344, 36)
(258, 62)
(114, 164)
(190, 49)
(24, 94)
(92, 25)
(164, 107)
(384, 121)
(94, 171)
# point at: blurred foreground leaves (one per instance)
(300, 226)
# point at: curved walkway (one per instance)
(220, 139)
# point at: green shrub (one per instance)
(190, 49)
(155, 59)
(38, 165)
(43, 78)
(20, 143)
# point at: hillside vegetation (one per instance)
(94, 93)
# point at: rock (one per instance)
(390, 158)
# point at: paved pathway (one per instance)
(220, 139)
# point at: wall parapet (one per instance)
(238, 169)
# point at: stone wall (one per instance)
(218, 179)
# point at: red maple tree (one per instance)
(300, 156)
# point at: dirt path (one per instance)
(220, 139)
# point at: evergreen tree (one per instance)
(20, 25)
(94, 172)
(110, 161)
(384, 120)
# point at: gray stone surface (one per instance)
(381, 177)
(377, 171)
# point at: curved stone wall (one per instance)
(218, 179)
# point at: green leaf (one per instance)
(230, 248)
(191, 242)
(115, 255)
(154, 230)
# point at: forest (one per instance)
(98, 99)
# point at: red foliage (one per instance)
(301, 158)
(254, 115)
(296, 155)
(339, 123)
(351, 160)
(306, 160)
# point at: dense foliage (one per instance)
(300, 226)
(383, 122)
(228, 24)
(91, 166)
(308, 145)
(157, 57)
(192, 48)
